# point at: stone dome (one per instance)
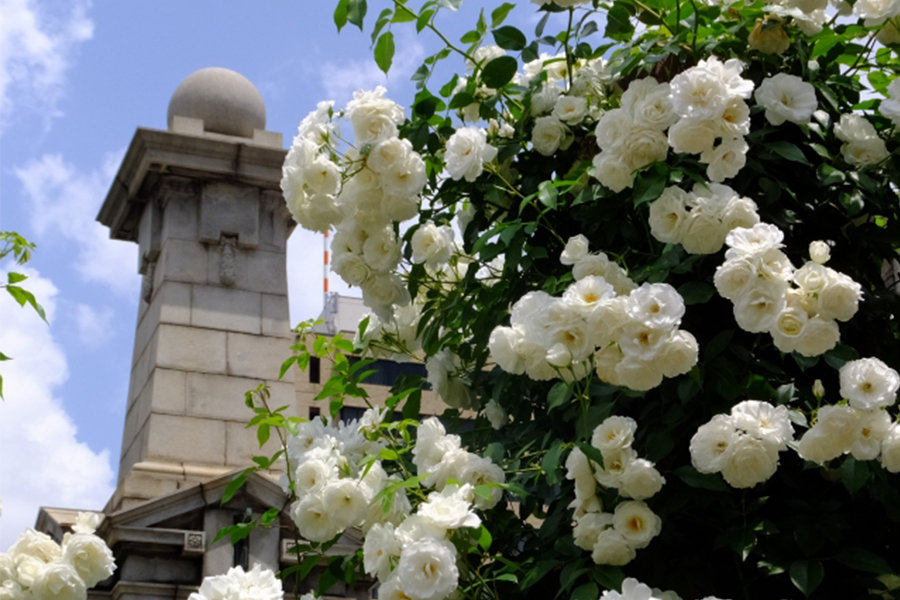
(225, 100)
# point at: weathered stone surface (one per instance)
(275, 319)
(242, 444)
(181, 260)
(257, 357)
(227, 309)
(140, 485)
(265, 547)
(142, 368)
(191, 349)
(269, 273)
(174, 438)
(180, 211)
(218, 397)
(229, 209)
(274, 222)
(220, 556)
(171, 303)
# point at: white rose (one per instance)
(868, 383)
(841, 423)
(596, 265)
(322, 176)
(570, 109)
(576, 249)
(678, 355)
(873, 426)
(387, 153)
(819, 336)
(786, 98)
(612, 548)
(431, 444)
(432, 244)
(711, 447)
(819, 252)
(641, 480)
(754, 241)
(764, 421)
(314, 519)
(467, 151)
(59, 581)
(890, 449)
(739, 212)
(613, 128)
(503, 345)
(839, 299)
(866, 152)
(693, 136)
(668, 215)
(638, 375)
(876, 9)
(699, 93)
(480, 470)
(734, 278)
(380, 547)
(811, 278)
(37, 544)
(451, 508)
(613, 172)
(405, 177)
(752, 461)
(427, 569)
(545, 99)
(89, 556)
(656, 305)
(588, 528)
(346, 499)
(606, 361)
(613, 434)
(637, 523)
(703, 233)
(818, 447)
(382, 251)
(548, 135)
(757, 310)
(725, 160)
(643, 146)
(615, 461)
(788, 328)
(655, 109)
(352, 268)
(735, 119)
(854, 128)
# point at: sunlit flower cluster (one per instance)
(631, 340)
(237, 584)
(614, 538)
(862, 427)
(862, 146)
(333, 492)
(760, 280)
(375, 184)
(35, 566)
(700, 220)
(744, 445)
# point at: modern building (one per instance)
(202, 200)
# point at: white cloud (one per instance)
(36, 49)
(94, 327)
(42, 463)
(64, 203)
(343, 77)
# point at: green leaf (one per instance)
(696, 479)
(269, 516)
(806, 575)
(484, 538)
(537, 572)
(717, 345)
(413, 405)
(863, 560)
(340, 14)
(618, 22)
(696, 292)
(650, 185)
(498, 15)
(15, 277)
(499, 72)
(384, 51)
(558, 395)
(4, 357)
(550, 462)
(591, 452)
(788, 151)
(509, 38)
(588, 591)
(854, 474)
(828, 175)
(840, 355)
(235, 484)
(356, 12)
(547, 194)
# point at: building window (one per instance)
(388, 371)
(241, 549)
(314, 367)
(313, 412)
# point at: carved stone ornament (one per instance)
(227, 249)
(147, 281)
(194, 542)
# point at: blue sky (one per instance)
(76, 79)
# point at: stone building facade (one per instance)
(202, 200)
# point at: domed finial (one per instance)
(223, 99)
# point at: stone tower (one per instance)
(202, 201)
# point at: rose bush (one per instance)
(609, 249)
